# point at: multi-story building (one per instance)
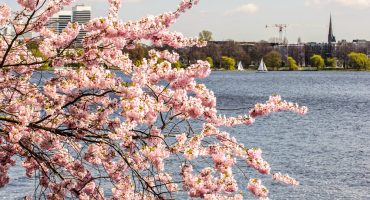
(81, 14)
(63, 19)
(52, 23)
(59, 21)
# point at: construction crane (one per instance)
(281, 28)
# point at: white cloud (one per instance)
(249, 8)
(352, 3)
(360, 3)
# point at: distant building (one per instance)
(63, 19)
(298, 52)
(331, 40)
(81, 14)
(343, 48)
(59, 21)
(331, 37)
(52, 23)
(313, 48)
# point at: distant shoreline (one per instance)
(300, 70)
(252, 70)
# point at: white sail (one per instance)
(262, 67)
(240, 66)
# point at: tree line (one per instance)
(227, 54)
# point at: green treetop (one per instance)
(292, 64)
(273, 60)
(210, 61)
(317, 61)
(359, 61)
(228, 63)
(331, 62)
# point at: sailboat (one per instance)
(262, 67)
(240, 66)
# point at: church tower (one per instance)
(331, 39)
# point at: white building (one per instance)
(52, 23)
(59, 21)
(81, 14)
(64, 17)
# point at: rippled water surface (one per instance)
(328, 150)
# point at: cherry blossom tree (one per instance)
(92, 133)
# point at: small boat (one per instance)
(240, 66)
(262, 67)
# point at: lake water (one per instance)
(327, 150)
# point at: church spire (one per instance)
(331, 37)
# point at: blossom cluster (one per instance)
(87, 127)
(284, 178)
(255, 160)
(275, 104)
(256, 187)
(49, 46)
(28, 4)
(153, 28)
(205, 183)
(4, 14)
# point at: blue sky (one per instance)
(245, 20)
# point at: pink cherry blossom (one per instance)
(257, 188)
(285, 179)
(4, 14)
(28, 4)
(88, 126)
